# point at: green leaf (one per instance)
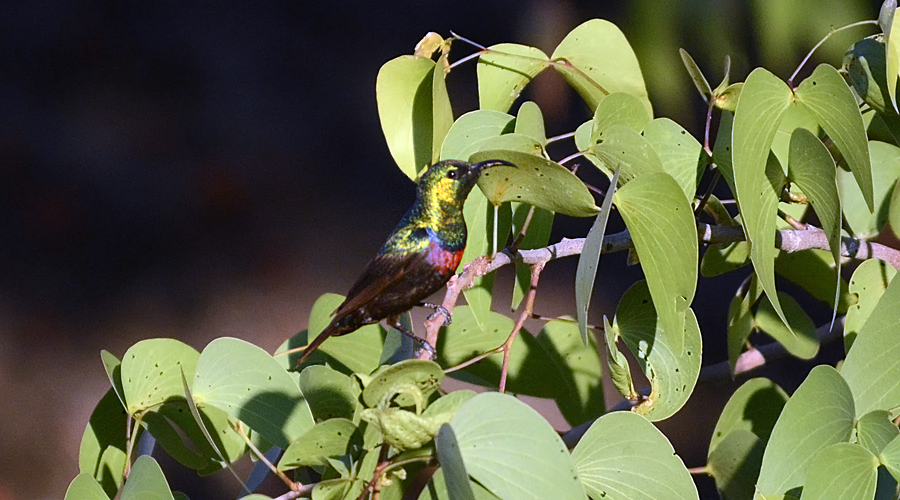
(620, 109)
(619, 371)
(890, 457)
(799, 338)
(720, 259)
(867, 285)
(249, 385)
(483, 220)
(865, 67)
(329, 393)
(536, 181)
(871, 368)
(624, 149)
(892, 56)
(842, 471)
(356, 352)
(332, 438)
(586, 273)
(471, 128)
(566, 369)
(103, 444)
(423, 374)
(414, 109)
(596, 60)
(764, 99)
(754, 407)
(537, 236)
(828, 98)
(863, 222)
(521, 441)
(151, 372)
(894, 209)
(795, 117)
(819, 414)
(734, 464)
(815, 272)
(504, 70)
(741, 320)
(530, 122)
(662, 226)
(451, 460)
(681, 155)
(875, 430)
(696, 75)
(813, 169)
(146, 481)
(113, 368)
(622, 456)
(85, 487)
(672, 372)
(722, 149)
(437, 489)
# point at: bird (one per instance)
(421, 254)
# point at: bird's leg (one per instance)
(394, 322)
(438, 309)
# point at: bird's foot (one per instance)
(425, 346)
(439, 309)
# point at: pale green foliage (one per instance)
(352, 418)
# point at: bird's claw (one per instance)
(425, 346)
(439, 309)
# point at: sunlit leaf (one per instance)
(672, 372)
(146, 481)
(623, 456)
(471, 128)
(504, 70)
(820, 413)
(249, 385)
(586, 272)
(871, 368)
(521, 441)
(867, 285)
(414, 109)
(875, 430)
(662, 226)
(536, 181)
(696, 75)
(828, 98)
(334, 437)
(620, 109)
(863, 222)
(842, 471)
(530, 122)
(597, 60)
(764, 99)
(626, 150)
(85, 487)
(451, 460)
(151, 372)
(681, 155)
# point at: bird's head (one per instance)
(450, 181)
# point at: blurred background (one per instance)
(198, 170)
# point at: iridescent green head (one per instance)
(447, 183)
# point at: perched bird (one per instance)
(418, 258)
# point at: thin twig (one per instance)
(526, 313)
(790, 80)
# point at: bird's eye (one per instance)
(452, 174)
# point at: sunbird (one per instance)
(421, 254)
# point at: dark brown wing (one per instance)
(383, 274)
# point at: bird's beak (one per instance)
(478, 167)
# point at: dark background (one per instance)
(197, 170)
